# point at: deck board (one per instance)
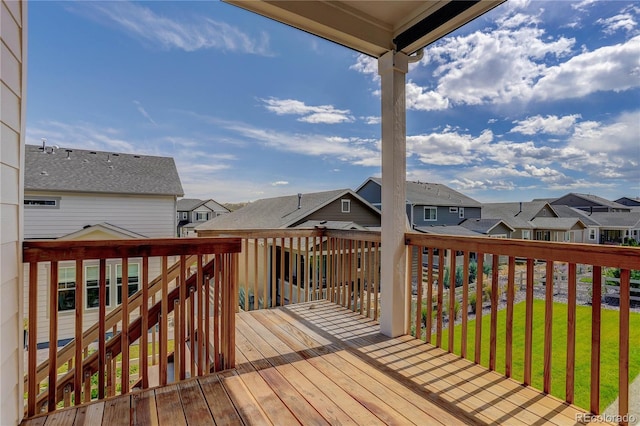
(317, 364)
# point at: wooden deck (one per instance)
(317, 363)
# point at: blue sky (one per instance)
(534, 99)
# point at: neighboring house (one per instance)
(339, 209)
(75, 194)
(589, 203)
(605, 227)
(629, 201)
(192, 212)
(536, 220)
(427, 203)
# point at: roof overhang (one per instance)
(373, 27)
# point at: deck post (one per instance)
(392, 68)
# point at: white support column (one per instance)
(393, 67)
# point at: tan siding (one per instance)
(360, 214)
(12, 85)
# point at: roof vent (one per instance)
(136, 156)
(44, 144)
(44, 173)
(299, 200)
(68, 154)
(108, 158)
(92, 152)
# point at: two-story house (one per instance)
(192, 212)
(428, 204)
(77, 194)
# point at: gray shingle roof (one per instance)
(434, 194)
(483, 226)
(81, 170)
(457, 230)
(188, 204)
(273, 213)
(566, 211)
(617, 219)
(557, 223)
(592, 198)
(517, 215)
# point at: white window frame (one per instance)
(198, 216)
(526, 234)
(185, 215)
(461, 212)
(592, 234)
(92, 287)
(132, 265)
(345, 205)
(67, 279)
(427, 218)
(453, 210)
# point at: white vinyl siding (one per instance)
(13, 49)
(151, 216)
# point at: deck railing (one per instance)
(454, 277)
(193, 298)
(278, 267)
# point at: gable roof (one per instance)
(484, 226)
(432, 194)
(566, 211)
(79, 170)
(189, 204)
(590, 199)
(278, 212)
(107, 229)
(517, 215)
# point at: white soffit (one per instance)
(373, 27)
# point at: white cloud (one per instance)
(622, 21)
(372, 119)
(551, 124)
(80, 135)
(610, 68)
(326, 114)
(449, 147)
(279, 183)
(189, 34)
(417, 98)
(366, 65)
(144, 112)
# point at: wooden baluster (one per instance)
(66, 398)
(274, 279)
(307, 270)
(452, 297)
(178, 353)
(571, 333)
(32, 384)
(418, 290)
(299, 271)
(231, 330)
(154, 330)
(216, 310)
(79, 345)
(282, 272)
(265, 264)
(479, 288)
(623, 360)
(180, 345)
(102, 333)
(255, 275)
(429, 324)
(164, 323)
(465, 304)
(207, 323)
(324, 259)
(144, 333)
(290, 269)
(124, 334)
(350, 283)
(192, 332)
(53, 337)
(87, 386)
(368, 277)
(495, 276)
(110, 375)
(548, 327)
(201, 309)
(441, 264)
(596, 303)
(528, 324)
(511, 294)
(361, 275)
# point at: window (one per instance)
(430, 214)
(461, 213)
(133, 283)
(42, 202)
(453, 210)
(345, 206)
(592, 234)
(92, 274)
(202, 216)
(66, 288)
(526, 234)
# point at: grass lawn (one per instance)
(608, 357)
